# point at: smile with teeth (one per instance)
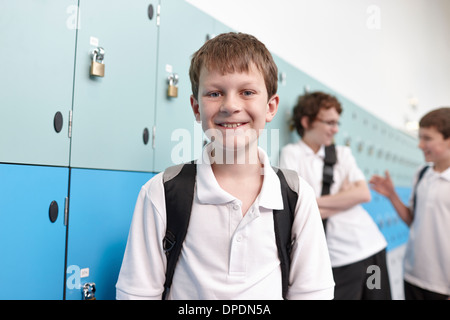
(231, 125)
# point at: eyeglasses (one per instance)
(331, 123)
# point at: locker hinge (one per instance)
(153, 136)
(158, 15)
(66, 211)
(70, 124)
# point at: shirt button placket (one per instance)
(238, 247)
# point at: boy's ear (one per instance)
(304, 121)
(195, 108)
(272, 107)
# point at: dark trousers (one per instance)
(413, 292)
(367, 279)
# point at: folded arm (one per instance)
(350, 195)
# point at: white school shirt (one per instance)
(225, 255)
(427, 256)
(352, 235)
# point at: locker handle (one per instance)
(53, 211)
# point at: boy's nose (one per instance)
(335, 129)
(421, 144)
(230, 105)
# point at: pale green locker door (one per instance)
(291, 84)
(183, 30)
(37, 42)
(113, 115)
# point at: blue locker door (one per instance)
(113, 116)
(101, 207)
(37, 50)
(32, 248)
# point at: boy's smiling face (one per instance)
(435, 148)
(233, 107)
(323, 129)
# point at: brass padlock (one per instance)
(172, 90)
(97, 64)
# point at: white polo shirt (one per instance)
(427, 257)
(226, 255)
(352, 235)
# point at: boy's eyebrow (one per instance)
(246, 82)
(242, 86)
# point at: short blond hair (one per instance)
(234, 52)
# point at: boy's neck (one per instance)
(242, 178)
(310, 143)
(238, 163)
(441, 166)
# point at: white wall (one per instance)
(378, 53)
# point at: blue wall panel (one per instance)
(31, 246)
(395, 231)
(101, 207)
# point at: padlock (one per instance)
(89, 291)
(97, 64)
(97, 69)
(172, 90)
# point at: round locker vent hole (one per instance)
(145, 136)
(150, 11)
(53, 211)
(58, 122)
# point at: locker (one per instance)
(179, 38)
(395, 231)
(291, 84)
(122, 128)
(100, 212)
(37, 42)
(113, 115)
(219, 27)
(32, 247)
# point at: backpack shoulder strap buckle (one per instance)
(169, 242)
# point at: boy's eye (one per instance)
(214, 94)
(247, 93)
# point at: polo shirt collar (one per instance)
(445, 174)
(309, 152)
(210, 192)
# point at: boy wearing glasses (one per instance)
(355, 244)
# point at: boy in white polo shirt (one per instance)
(427, 257)
(354, 240)
(230, 250)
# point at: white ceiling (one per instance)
(385, 55)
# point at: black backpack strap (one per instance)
(283, 220)
(179, 183)
(421, 174)
(327, 179)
